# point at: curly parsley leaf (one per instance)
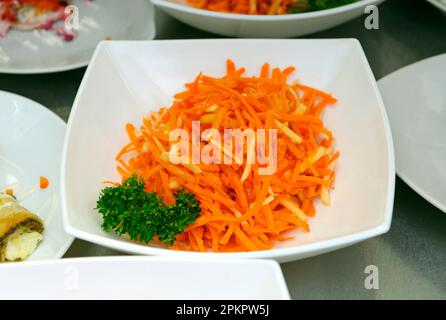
(128, 209)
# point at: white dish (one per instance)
(415, 98)
(31, 140)
(440, 4)
(128, 79)
(256, 26)
(42, 52)
(140, 278)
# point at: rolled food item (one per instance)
(20, 230)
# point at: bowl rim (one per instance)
(166, 4)
(279, 254)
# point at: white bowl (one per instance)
(143, 278)
(258, 26)
(126, 80)
(415, 101)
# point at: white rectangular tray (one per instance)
(142, 278)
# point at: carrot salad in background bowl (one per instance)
(269, 7)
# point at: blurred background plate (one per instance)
(31, 139)
(43, 51)
(415, 99)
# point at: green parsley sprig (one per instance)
(128, 209)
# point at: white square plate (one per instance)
(142, 278)
(126, 80)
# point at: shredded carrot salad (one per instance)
(241, 210)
